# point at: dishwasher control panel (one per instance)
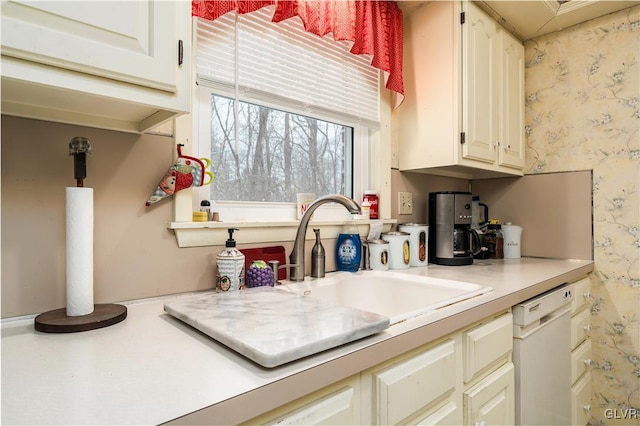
(534, 309)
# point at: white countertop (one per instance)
(152, 368)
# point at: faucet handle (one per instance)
(276, 266)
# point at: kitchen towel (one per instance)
(79, 251)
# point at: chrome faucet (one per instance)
(296, 258)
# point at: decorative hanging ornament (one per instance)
(185, 172)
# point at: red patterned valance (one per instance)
(374, 27)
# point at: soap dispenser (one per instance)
(317, 257)
(230, 261)
(348, 249)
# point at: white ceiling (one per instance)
(527, 19)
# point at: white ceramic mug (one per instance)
(303, 199)
(512, 239)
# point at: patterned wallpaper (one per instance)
(583, 112)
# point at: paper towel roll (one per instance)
(79, 251)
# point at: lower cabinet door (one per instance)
(491, 401)
(580, 328)
(580, 360)
(409, 386)
(581, 401)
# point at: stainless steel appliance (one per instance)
(541, 355)
(451, 237)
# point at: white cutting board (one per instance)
(272, 326)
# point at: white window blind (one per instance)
(261, 61)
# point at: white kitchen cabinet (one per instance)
(463, 114)
(492, 401)
(580, 353)
(114, 65)
(337, 404)
(489, 374)
(581, 401)
(511, 139)
(580, 360)
(417, 387)
(424, 386)
(580, 327)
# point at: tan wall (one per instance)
(135, 255)
(553, 209)
(420, 185)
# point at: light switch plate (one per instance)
(405, 203)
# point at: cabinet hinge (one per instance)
(462, 138)
(462, 18)
(180, 52)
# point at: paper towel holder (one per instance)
(104, 314)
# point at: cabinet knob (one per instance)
(586, 294)
(498, 144)
(587, 330)
(587, 408)
(482, 423)
(588, 362)
(507, 147)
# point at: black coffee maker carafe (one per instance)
(451, 239)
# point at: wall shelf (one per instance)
(199, 234)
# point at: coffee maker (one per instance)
(450, 235)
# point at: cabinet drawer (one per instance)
(580, 360)
(581, 294)
(486, 344)
(581, 401)
(447, 414)
(406, 387)
(580, 328)
(339, 408)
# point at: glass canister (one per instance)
(494, 241)
(418, 238)
(399, 249)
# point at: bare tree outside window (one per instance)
(275, 154)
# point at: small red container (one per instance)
(372, 197)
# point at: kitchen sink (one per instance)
(397, 295)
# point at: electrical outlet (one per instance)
(405, 203)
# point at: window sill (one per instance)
(200, 234)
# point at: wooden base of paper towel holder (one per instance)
(57, 321)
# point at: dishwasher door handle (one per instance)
(520, 332)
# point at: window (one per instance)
(280, 111)
(264, 154)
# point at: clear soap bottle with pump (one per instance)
(230, 262)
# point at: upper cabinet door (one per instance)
(511, 129)
(120, 40)
(479, 105)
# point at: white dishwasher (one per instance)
(542, 358)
